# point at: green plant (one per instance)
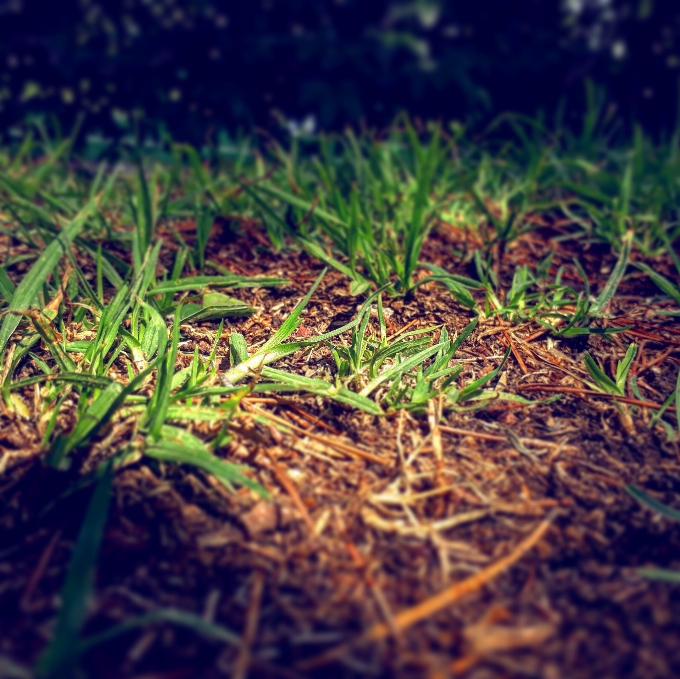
(374, 201)
(670, 288)
(60, 657)
(602, 381)
(579, 322)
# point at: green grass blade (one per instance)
(238, 351)
(651, 503)
(471, 389)
(612, 284)
(93, 416)
(289, 326)
(317, 251)
(321, 388)
(202, 282)
(464, 334)
(602, 380)
(401, 368)
(673, 291)
(164, 615)
(263, 357)
(623, 367)
(305, 205)
(32, 283)
(661, 574)
(59, 658)
(181, 447)
(161, 399)
(6, 286)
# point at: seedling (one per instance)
(579, 322)
(616, 386)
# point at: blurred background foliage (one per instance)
(202, 65)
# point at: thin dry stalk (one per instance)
(436, 603)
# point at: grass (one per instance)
(99, 279)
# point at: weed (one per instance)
(602, 381)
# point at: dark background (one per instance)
(204, 65)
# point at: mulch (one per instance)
(370, 517)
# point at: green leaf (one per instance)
(615, 277)
(6, 286)
(93, 416)
(216, 306)
(69, 378)
(623, 367)
(264, 357)
(305, 205)
(158, 406)
(59, 658)
(651, 503)
(602, 380)
(186, 413)
(31, 284)
(464, 334)
(358, 287)
(401, 368)
(100, 412)
(155, 337)
(79, 346)
(289, 326)
(181, 447)
(164, 615)
(450, 282)
(660, 574)
(673, 291)
(317, 251)
(471, 389)
(186, 312)
(238, 351)
(227, 281)
(321, 388)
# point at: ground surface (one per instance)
(369, 516)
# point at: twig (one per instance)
(37, 574)
(661, 357)
(515, 352)
(352, 451)
(308, 416)
(290, 488)
(500, 439)
(589, 392)
(410, 324)
(252, 616)
(436, 603)
(370, 581)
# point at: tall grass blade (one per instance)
(289, 326)
(28, 289)
(661, 282)
(59, 658)
(401, 368)
(181, 447)
(612, 284)
(164, 615)
(651, 503)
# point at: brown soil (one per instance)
(370, 517)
